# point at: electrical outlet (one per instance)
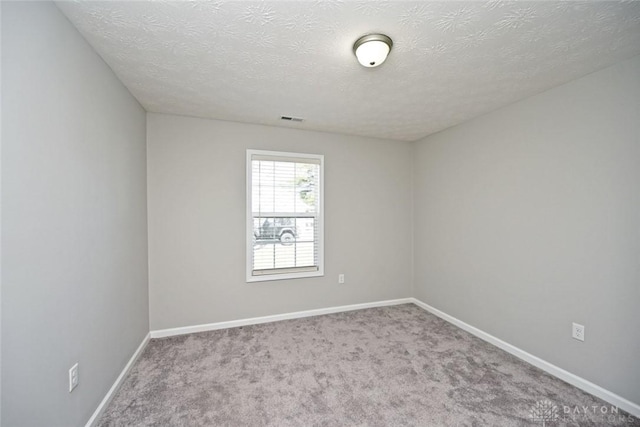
(340, 278)
(73, 377)
(578, 332)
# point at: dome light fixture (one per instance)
(372, 49)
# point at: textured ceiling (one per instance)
(253, 61)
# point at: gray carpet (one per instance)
(390, 366)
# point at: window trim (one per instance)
(250, 277)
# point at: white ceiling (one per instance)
(252, 61)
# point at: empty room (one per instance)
(320, 213)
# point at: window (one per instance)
(284, 215)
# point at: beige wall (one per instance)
(196, 190)
(528, 219)
(74, 241)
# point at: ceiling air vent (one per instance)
(291, 119)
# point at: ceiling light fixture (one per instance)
(372, 49)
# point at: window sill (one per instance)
(283, 276)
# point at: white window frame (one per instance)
(249, 220)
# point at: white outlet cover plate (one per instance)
(73, 377)
(578, 331)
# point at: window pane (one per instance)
(306, 229)
(306, 187)
(284, 186)
(263, 257)
(305, 256)
(284, 242)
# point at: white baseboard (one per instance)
(161, 333)
(581, 383)
(116, 384)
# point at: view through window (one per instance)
(284, 198)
